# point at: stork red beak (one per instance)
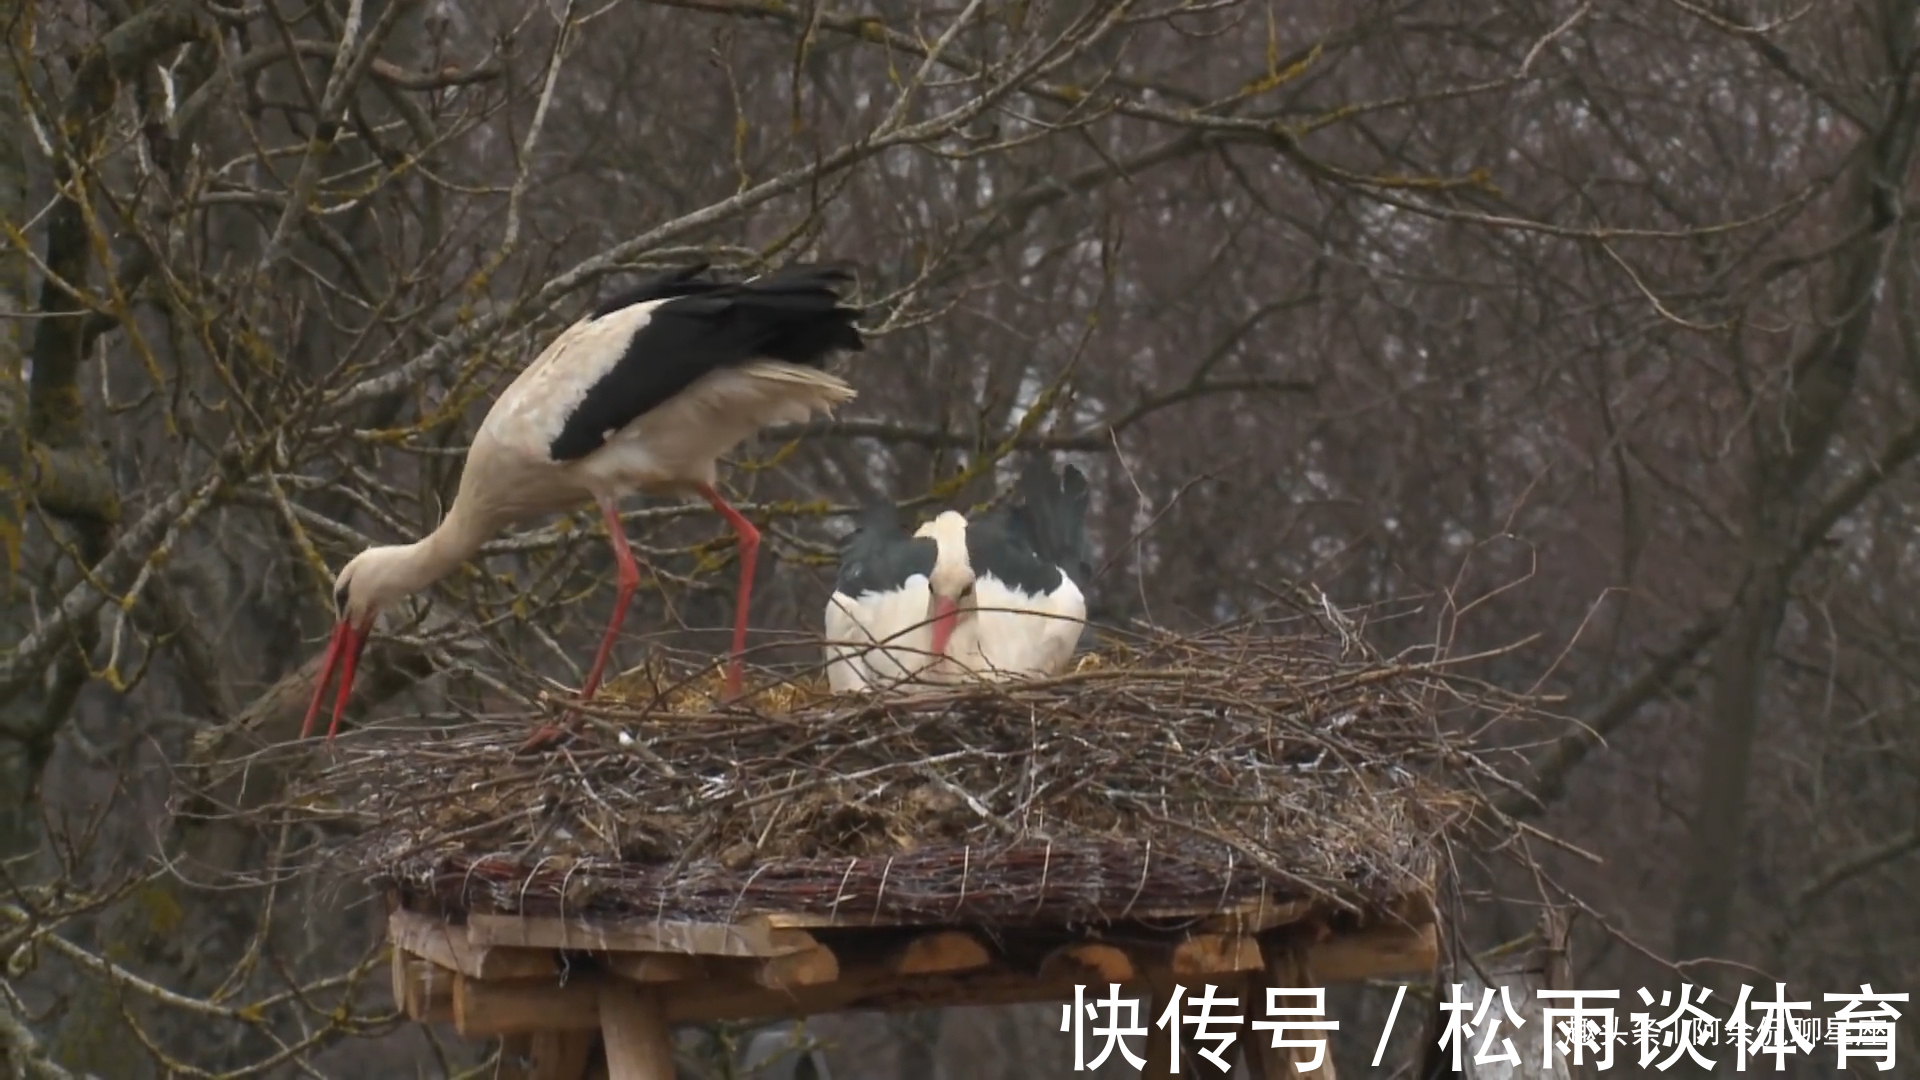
(343, 652)
(945, 613)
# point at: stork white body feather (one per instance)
(859, 629)
(1013, 634)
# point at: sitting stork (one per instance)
(1028, 607)
(996, 597)
(644, 394)
(894, 590)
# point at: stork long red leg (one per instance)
(629, 580)
(749, 556)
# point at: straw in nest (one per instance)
(1174, 773)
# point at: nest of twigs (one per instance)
(1165, 774)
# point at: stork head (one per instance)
(368, 583)
(952, 579)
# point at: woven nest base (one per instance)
(1034, 882)
(1169, 774)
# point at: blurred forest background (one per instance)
(1587, 326)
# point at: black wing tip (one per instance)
(681, 281)
(849, 338)
(1073, 483)
(804, 277)
(1039, 482)
(1051, 512)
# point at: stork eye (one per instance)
(340, 600)
(966, 592)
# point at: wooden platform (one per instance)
(579, 999)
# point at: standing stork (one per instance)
(644, 394)
(997, 596)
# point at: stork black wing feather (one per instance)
(685, 281)
(1039, 536)
(879, 556)
(998, 545)
(1051, 515)
(793, 315)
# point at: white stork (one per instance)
(644, 394)
(896, 590)
(999, 596)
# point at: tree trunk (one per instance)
(16, 816)
(1787, 453)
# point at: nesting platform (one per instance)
(579, 998)
(1270, 804)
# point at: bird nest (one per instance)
(1269, 764)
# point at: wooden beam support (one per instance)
(922, 973)
(657, 936)
(814, 967)
(1376, 953)
(1215, 954)
(528, 1005)
(873, 988)
(448, 945)
(941, 952)
(422, 990)
(663, 967)
(634, 1027)
(525, 1006)
(1088, 960)
(811, 968)
(1253, 918)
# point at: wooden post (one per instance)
(516, 1051)
(545, 1055)
(634, 1027)
(561, 1055)
(423, 990)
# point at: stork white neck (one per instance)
(951, 582)
(952, 569)
(379, 576)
